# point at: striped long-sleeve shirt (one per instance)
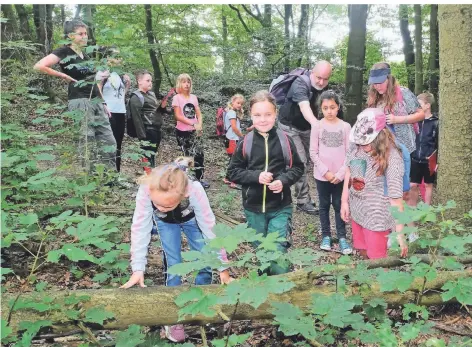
(369, 206)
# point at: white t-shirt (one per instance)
(114, 94)
(230, 135)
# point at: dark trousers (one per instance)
(153, 135)
(330, 194)
(191, 146)
(117, 122)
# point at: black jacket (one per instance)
(247, 173)
(426, 140)
(147, 115)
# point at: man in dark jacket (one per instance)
(426, 145)
(297, 116)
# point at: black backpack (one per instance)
(280, 86)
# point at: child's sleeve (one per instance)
(293, 174)
(315, 150)
(342, 170)
(201, 207)
(238, 171)
(135, 109)
(141, 229)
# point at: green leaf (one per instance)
(5, 271)
(74, 299)
(293, 321)
(392, 280)
(29, 219)
(412, 308)
(101, 277)
(303, 257)
(196, 303)
(75, 254)
(455, 244)
(461, 289)
(5, 332)
(32, 328)
(255, 289)
(97, 315)
(450, 263)
(435, 342)
(130, 337)
(41, 286)
(336, 310)
(424, 270)
(233, 340)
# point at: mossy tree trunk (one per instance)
(455, 109)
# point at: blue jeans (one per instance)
(171, 239)
(279, 222)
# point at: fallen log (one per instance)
(155, 305)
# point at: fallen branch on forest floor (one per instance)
(155, 305)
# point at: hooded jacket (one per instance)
(426, 139)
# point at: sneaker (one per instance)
(205, 184)
(326, 243)
(235, 186)
(307, 208)
(175, 333)
(413, 237)
(344, 246)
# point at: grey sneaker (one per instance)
(175, 333)
(308, 208)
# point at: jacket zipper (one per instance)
(266, 144)
(421, 136)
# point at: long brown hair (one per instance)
(390, 97)
(381, 147)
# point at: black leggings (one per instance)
(330, 194)
(191, 146)
(117, 122)
(153, 135)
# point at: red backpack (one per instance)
(220, 122)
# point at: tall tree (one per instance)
(302, 35)
(224, 25)
(355, 61)
(408, 50)
(88, 19)
(152, 52)
(455, 132)
(24, 22)
(287, 15)
(9, 27)
(63, 13)
(418, 50)
(433, 64)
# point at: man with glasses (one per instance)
(296, 117)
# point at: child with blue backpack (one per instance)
(266, 164)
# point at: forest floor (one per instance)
(226, 201)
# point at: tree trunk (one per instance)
(302, 33)
(152, 52)
(77, 11)
(418, 51)
(455, 109)
(88, 19)
(224, 25)
(355, 60)
(10, 27)
(24, 23)
(288, 13)
(433, 55)
(63, 14)
(49, 29)
(40, 14)
(156, 305)
(408, 50)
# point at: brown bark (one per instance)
(408, 50)
(152, 52)
(302, 33)
(155, 305)
(433, 54)
(88, 19)
(455, 108)
(224, 25)
(418, 51)
(10, 27)
(355, 60)
(24, 22)
(287, 14)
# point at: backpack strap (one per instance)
(287, 151)
(247, 145)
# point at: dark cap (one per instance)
(378, 75)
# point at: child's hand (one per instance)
(403, 245)
(335, 180)
(345, 212)
(136, 277)
(265, 177)
(329, 176)
(276, 186)
(225, 278)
